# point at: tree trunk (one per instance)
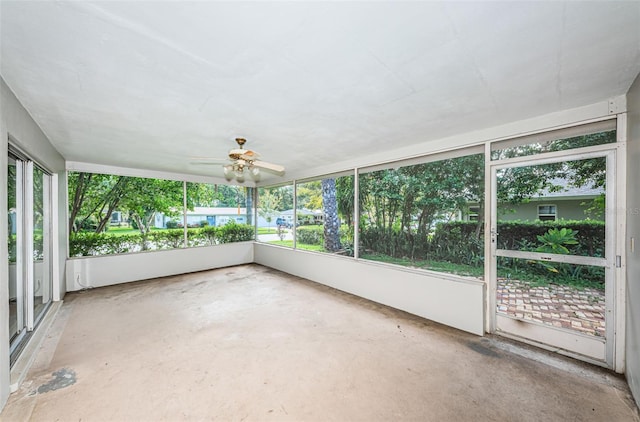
(331, 220)
(78, 198)
(249, 205)
(114, 196)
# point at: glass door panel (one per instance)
(550, 236)
(14, 203)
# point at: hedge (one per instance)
(314, 235)
(310, 235)
(458, 241)
(91, 244)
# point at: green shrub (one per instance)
(457, 242)
(167, 239)
(171, 224)
(234, 232)
(310, 235)
(395, 243)
(90, 244)
(210, 234)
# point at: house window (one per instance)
(473, 213)
(547, 212)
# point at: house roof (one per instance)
(301, 211)
(217, 211)
(147, 85)
(569, 191)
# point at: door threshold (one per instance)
(557, 350)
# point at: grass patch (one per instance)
(440, 266)
(289, 244)
(529, 276)
(267, 230)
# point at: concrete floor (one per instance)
(250, 343)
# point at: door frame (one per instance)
(614, 238)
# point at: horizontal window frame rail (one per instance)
(550, 257)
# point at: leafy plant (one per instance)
(556, 241)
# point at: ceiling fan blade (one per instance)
(268, 166)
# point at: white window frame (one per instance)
(554, 215)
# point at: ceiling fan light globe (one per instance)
(255, 171)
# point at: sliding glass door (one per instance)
(29, 245)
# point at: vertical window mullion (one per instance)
(295, 212)
(356, 214)
(28, 244)
(184, 215)
(20, 244)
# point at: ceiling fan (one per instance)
(241, 159)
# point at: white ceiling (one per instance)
(149, 84)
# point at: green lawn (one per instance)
(267, 230)
(289, 243)
(525, 274)
(440, 266)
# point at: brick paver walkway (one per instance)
(559, 306)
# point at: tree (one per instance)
(267, 204)
(204, 194)
(345, 198)
(284, 197)
(412, 198)
(146, 197)
(93, 197)
(331, 220)
(309, 195)
(232, 196)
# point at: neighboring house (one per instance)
(215, 216)
(569, 203)
(305, 216)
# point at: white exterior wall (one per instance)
(107, 270)
(16, 122)
(633, 232)
(448, 300)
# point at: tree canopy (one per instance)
(94, 197)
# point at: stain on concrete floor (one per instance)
(482, 349)
(61, 378)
